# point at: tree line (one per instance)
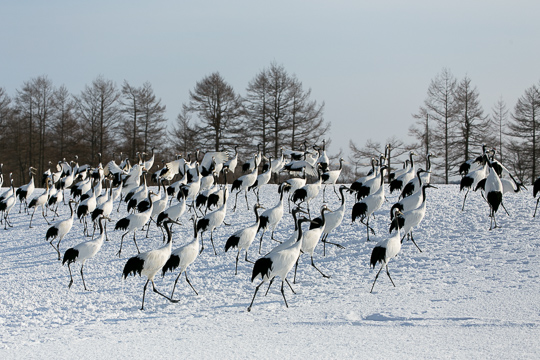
(42, 123)
(452, 124)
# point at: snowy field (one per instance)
(471, 293)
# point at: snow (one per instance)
(471, 293)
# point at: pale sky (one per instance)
(370, 62)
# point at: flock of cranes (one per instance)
(193, 189)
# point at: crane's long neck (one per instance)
(169, 234)
(342, 196)
(424, 194)
(101, 232)
(256, 215)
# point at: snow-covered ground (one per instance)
(471, 293)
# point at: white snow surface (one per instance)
(471, 293)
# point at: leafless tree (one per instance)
(499, 119)
(473, 130)
(439, 111)
(98, 110)
(218, 109)
(524, 129)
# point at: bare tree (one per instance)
(281, 112)
(306, 117)
(524, 128)
(219, 111)
(499, 117)
(183, 134)
(257, 102)
(34, 103)
(440, 110)
(473, 128)
(153, 122)
(98, 110)
(64, 125)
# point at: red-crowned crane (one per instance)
(25, 191)
(270, 218)
(367, 206)
(231, 163)
(182, 257)
(406, 221)
(308, 192)
(262, 179)
(40, 201)
(85, 208)
(372, 185)
(384, 251)
(105, 209)
(415, 184)
(211, 221)
(399, 182)
(410, 202)
(254, 162)
(332, 221)
(7, 203)
(243, 183)
(323, 160)
(132, 222)
(150, 262)
(493, 189)
(84, 251)
(278, 263)
(330, 177)
(60, 229)
(310, 241)
(243, 238)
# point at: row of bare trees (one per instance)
(452, 124)
(276, 112)
(42, 123)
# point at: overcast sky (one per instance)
(370, 62)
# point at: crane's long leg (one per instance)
(82, 276)
(507, 213)
(288, 283)
(202, 243)
(295, 268)
(271, 281)
(388, 273)
(283, 293)
(247, 203)
(212, 241)
(31, 217)
(313, 264)
(330, 243)
(57, 248)
(414, 242)
(135, 241)
(465, 198)
(43, 214)
(260, 241)
(376, 276)
(189, 282)
(236, 201)
(121, 242)
(236, 267)
(536, 207)
(323, 194)
(256, 289)
(144, 293)
(249, 261)
(70, 275)
(174, 286)
(165, 296)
